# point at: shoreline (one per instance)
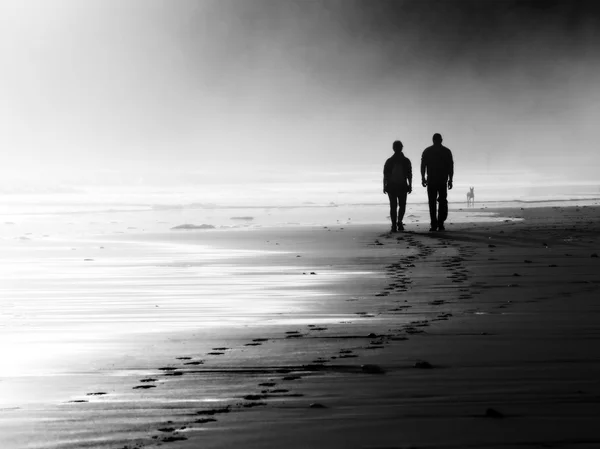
(457, 286)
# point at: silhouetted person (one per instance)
(397, 183)
(437, 162)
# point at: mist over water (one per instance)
(226, 92)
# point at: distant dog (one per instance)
(471, 197)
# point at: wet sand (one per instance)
(482, 336)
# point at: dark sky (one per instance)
(325, 85)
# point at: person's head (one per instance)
(397, 146)
(437, 138)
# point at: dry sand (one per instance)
(484, 336)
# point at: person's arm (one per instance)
(423, 169)
(409, 175)
(386, 175)
(450, 170)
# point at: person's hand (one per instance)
(424, 182)
(409, 189)
(384, 190)
(450, 185)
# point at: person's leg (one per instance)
(443, 200)
(401, 207)
(432, 195)
(393, 208)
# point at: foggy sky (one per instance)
(225, 85)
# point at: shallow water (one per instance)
(80, 281)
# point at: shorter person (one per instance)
(397, 183)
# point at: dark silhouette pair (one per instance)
(437, 171)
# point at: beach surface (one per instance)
(484, 336)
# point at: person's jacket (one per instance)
(397, 170)
(437, 162)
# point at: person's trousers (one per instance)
(437, 193)
(397, 198)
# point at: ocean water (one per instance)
(95, 210)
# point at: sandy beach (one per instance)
(196, 205)
(328, 336)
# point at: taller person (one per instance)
(437, 171)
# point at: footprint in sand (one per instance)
(254, 397)
(422, 364)
(291, 377)
(372, 369)
(173, 438)
(398, 338)
(293, 334)
(204, 420)
(214, 411)
(254, 404)
(143, 387)
(319, 360)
